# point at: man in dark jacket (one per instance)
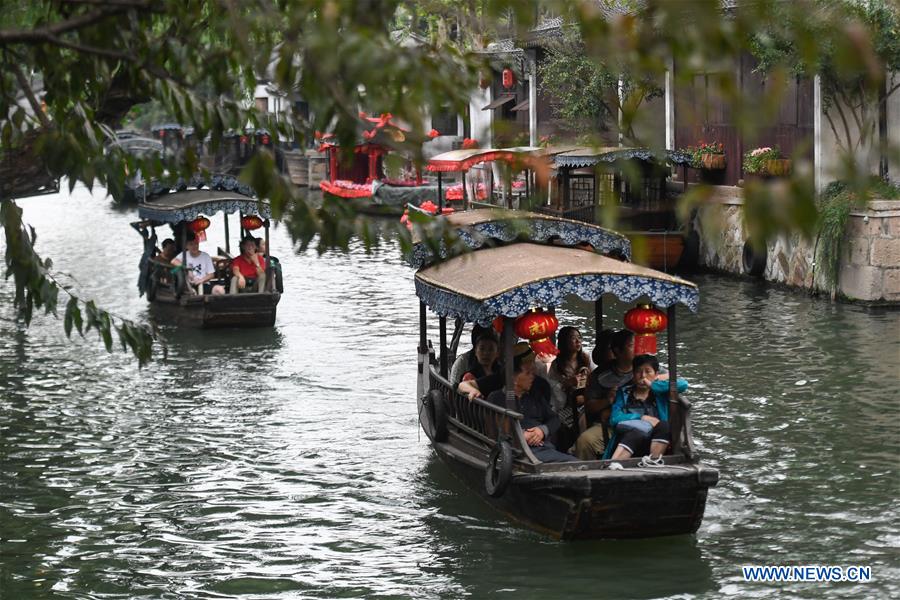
(539, 422)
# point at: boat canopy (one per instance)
(187, 205)
(590, 157)
(463, 160)
(476, 227)
(509, 280)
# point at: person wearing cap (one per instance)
(248, 266)
(532, 394)
(481, 360)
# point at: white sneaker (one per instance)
(615, 467)
(649, 461)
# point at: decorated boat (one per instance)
(633, 179)
(359, 176)
(186, 208)
(508, 269)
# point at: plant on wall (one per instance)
(835, 205)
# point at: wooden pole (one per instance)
(227, 237)
(675, 418)
(509, 341)
(466, 192)
(598, 318)
(269, 270)
(423, 338)
(443, 332)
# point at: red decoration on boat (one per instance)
(243, 139)
(469, 144)
(199, 224)
(536, 326)
(251, 222)
(645, 321)
(508, 79)
(162, 133)
(427, 206)
(434, 133)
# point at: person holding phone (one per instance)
(568, 377)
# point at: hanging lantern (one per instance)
(508, 79)
(199, 225)
(434, 133)
(537, 326)
(645, 321)
(162, 133)
(243, 139)
(251, 222)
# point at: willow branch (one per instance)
(29, 94)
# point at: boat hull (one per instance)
(582, 501)
(660, 250)
(212, 311)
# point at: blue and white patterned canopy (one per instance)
(588, 158)
(477, 227)
(175, 203)
(510, 280)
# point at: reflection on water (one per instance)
(287, 463)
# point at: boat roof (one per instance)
(510, 280)
(463, 160)
(589, 157)
(186, 205)
(476, 227)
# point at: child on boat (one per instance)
(640, 415)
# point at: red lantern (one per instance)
(199, 224)
(434, 133)
(162, 133)
(537, 326)
(251, 222)
(645, 321)
(243, 139)
(508, 79)
(265, 140)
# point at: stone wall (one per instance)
(870, 268)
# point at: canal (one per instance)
(287, 462)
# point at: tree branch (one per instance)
(14, 36)
(29, 94)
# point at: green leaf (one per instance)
(69, 319)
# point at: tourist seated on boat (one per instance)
(539, 422)
(168, 251)
(640, 415)
(248, 270)
(481, 360)
(276, 264)
(591, 444)
(200, 269)
(602, 354)
(568, 377)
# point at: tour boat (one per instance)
(634, 179)
(508, 265)
(184, 208)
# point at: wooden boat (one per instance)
(360, 179)
(503, 274)
(166, 288)
(635, 180)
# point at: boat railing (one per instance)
(482, 420)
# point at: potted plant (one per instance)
(766, 162)
(708, 155)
